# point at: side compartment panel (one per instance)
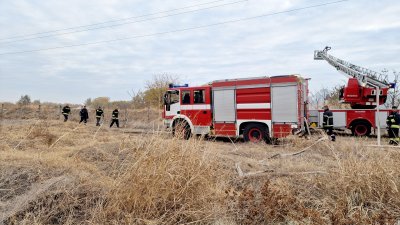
(225, 129)
(284, 104)
(253, 103)
(314, 118)
(339, 119)
(382, 119)
(224, 106)
(282, 130)
(253, 95)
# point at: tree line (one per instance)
(154, 89)
(150, 96)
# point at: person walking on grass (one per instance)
(114, 118)
(328, 122)
(99, 114)
(84, 115)
(66, 110)
(393, 123)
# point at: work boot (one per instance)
(333, 138)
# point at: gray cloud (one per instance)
(363, 32)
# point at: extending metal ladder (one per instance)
(365, 77)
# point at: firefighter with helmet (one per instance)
(99, 114)
(84, 115)
(66, 110)
(393, 123)
(328, 122)
(114, 118)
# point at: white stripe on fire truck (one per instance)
(254, 106)
(195, 107)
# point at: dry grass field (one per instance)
(53, 172)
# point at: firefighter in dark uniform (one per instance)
(114, 118)
(84, 115)
(328, 122)
(99, 114)
(393, 123)
(66, 110)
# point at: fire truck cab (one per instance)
(256, 109)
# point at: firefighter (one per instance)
(328, 122)
(66, 110)
(99, 114)
(393, 123)
(114, 118)
(84, 115)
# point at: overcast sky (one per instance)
(364, 32)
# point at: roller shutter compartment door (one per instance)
(224, 105)
(284, 104)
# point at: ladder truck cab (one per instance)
(256, 109)
(365, 90)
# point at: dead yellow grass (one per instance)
(65, 173)
(108, 178)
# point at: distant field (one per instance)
(53, 172)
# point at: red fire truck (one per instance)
(258, 108)
(365, 90)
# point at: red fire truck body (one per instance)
(359, 121)
(255, 108)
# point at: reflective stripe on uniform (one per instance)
(394, 126)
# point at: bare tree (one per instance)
(317, 99)
(393, 98)
(138, 100)
(24, 100)
(156, 88)
(326, 96)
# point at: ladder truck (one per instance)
(365, 91)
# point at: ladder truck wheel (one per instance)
(361, 128)
(255, 133)
(181, 130)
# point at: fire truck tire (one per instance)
(181, 129)
(361, 129)
(255, 133)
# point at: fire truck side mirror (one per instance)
(166, 101)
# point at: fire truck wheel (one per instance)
(181, 129)
(255, 133)
(361, 129)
